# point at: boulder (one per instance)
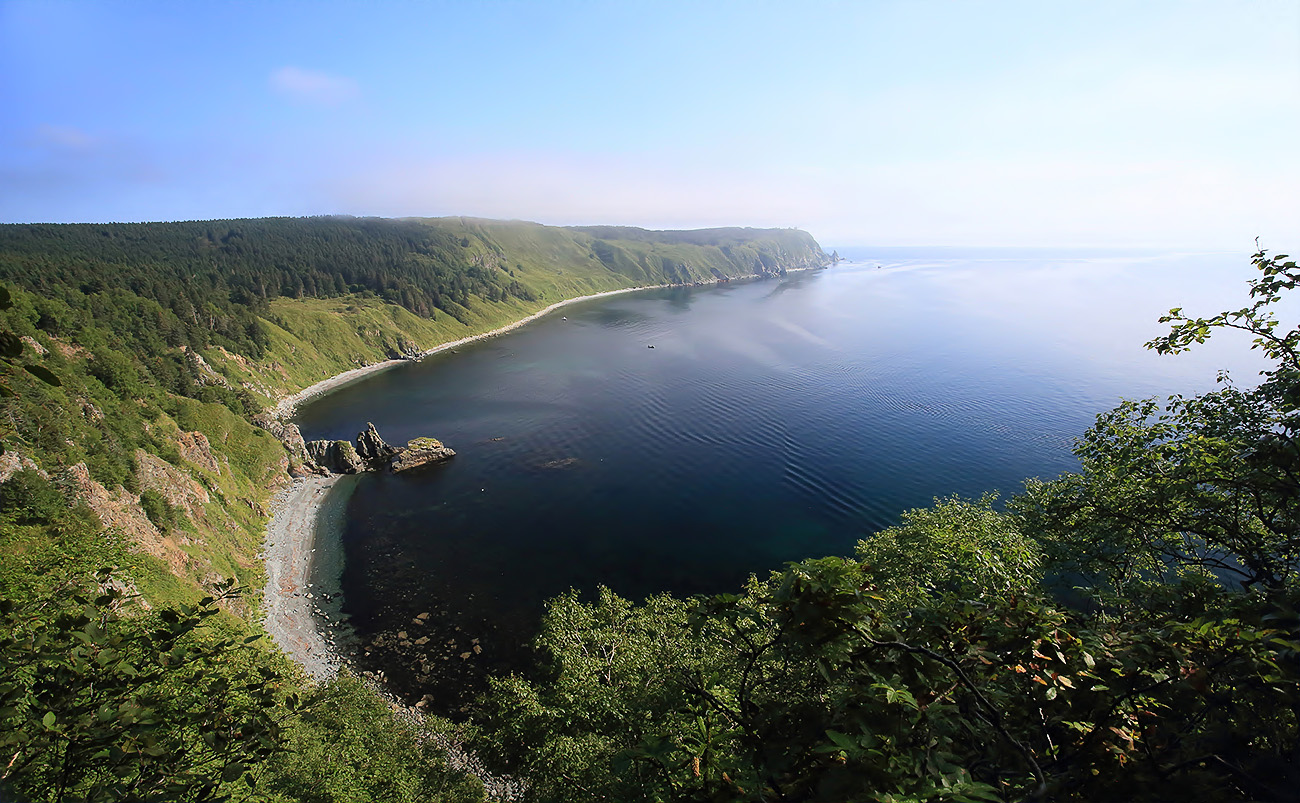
(418, 452)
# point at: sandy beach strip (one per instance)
(310, 509)
(286, 407)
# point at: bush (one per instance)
(31, 498)
(158, 509)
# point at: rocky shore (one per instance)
(297, 610)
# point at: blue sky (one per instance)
(944, 123)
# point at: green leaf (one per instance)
(232, 772)
(10, 345)
(42, 373)
(48, 720)
(842, 741)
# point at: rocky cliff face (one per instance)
(299, 462)
(336, 457)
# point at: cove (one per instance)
(771, 421)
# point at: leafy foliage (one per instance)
(1209, 484)
(98, 705)
(939, 666)
(348, 746)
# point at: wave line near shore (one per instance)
(286, 407)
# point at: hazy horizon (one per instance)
(1114, 125)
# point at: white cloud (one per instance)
(575, 189)
(311, 86)
(63, 137)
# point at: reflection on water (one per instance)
(772, 421)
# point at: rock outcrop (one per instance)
(373, 450)
(300, 462)
(418, 452)
(371, 453)
(338, 457)
(176, 486)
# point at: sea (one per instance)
(680, 440)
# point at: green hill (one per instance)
(239, 293)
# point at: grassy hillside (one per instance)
(307, 339)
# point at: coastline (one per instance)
(286, 406)
(300, 602)
(296, 603)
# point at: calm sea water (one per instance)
(771, 421)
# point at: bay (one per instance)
(677, 440)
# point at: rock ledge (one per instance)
(419, 452)
(371, 453)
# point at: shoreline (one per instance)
(297, 603)
(300, 606)
(286, 407)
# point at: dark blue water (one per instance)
(771, 421)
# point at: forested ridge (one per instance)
(1125, 632)
(216, 276)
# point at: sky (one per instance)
(1153, 124)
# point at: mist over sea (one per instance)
(771, 421)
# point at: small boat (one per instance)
(563, 318)
(649, 347)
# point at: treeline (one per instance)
(206, 282)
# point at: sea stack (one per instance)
(372, 453)
(418, 452)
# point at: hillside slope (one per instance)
(169, 339)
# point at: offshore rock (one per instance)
(373, 450)
(418, 452)
(339, 457)
(372, 453)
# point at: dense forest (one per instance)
(1126, 632)
(161, 289)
